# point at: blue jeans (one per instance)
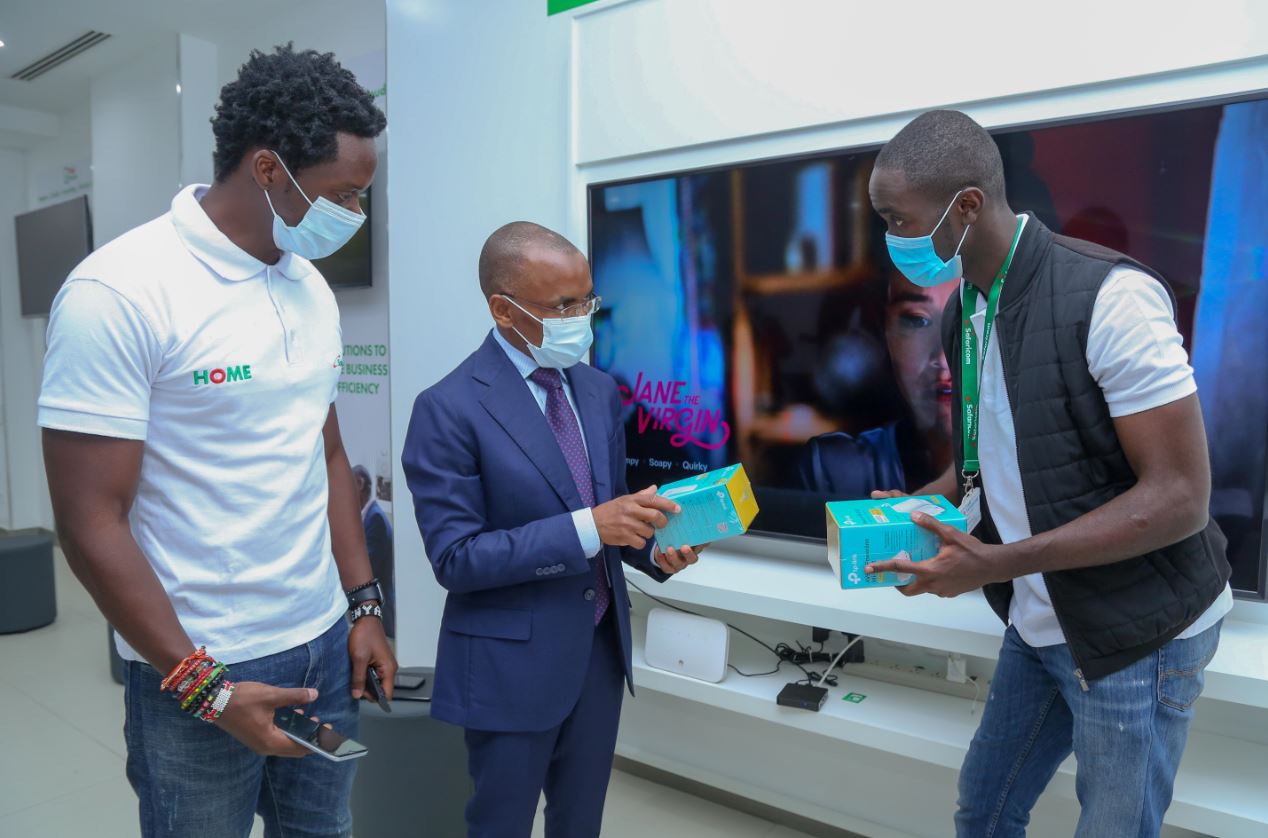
(193, 779)
(1127, 732)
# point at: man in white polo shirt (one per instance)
(200, 486)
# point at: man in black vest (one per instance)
(1080, 438)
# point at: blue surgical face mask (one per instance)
(325, 227)
(919, 261)
(565, 340)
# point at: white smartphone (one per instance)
(318, 738)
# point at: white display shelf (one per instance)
(808, 594)
(1219, 789)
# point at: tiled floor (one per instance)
(61, 773)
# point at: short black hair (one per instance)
(504, 251)
(943, 152)
(293, 103)
(362, 474)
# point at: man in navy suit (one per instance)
(516, 461)
(378, 540)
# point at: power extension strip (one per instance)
(920, 679)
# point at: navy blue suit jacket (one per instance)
(493, 497)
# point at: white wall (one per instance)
(479, 136)
(509, 114)
(15, 375)
(72, 145)
(199, 78)
(658, 75)
(135, 141)
(348, 29)
(25, 502)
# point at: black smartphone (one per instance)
(374, 688)
(318, 738)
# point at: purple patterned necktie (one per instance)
(563, 422)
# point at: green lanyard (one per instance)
(969, 364)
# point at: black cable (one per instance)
(737, 671)
(810, 676)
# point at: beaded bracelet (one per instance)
(203, 686)
(181, 690)
(182, 669)
(213, 713)
(199, 684)
(365, 609)
(202, 702)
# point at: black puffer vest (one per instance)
(1072, 463)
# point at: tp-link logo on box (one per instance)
(860, 532)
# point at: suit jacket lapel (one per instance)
(594, 411)
(511, 404)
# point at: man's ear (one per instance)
(265, 169)
(500, 308)
(971, 203)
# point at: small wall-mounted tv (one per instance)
(51, 241)
(350, 266)
(752, 313)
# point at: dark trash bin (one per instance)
(26, 577)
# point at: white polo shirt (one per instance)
(1136, 354)
(226, 368)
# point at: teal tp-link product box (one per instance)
(715, 505)
(865, 531)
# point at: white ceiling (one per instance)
(31, 29)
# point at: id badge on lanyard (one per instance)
(970, 379)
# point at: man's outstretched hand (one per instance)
(963, 564)
(628, 521)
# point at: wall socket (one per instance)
(957, 668)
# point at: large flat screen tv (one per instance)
(350, 265)
(51, 242)
(752, 313)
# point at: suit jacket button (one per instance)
(589, 594)
(538, 571)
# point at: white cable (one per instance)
(840, 655)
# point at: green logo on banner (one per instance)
(854, 698)
(554, 7)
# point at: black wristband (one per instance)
(362, 587)
(365, 593)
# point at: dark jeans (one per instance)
(1127, 733)
(193, 779)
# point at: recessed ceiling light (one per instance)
(1, 43)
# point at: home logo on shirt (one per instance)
(222, 375)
